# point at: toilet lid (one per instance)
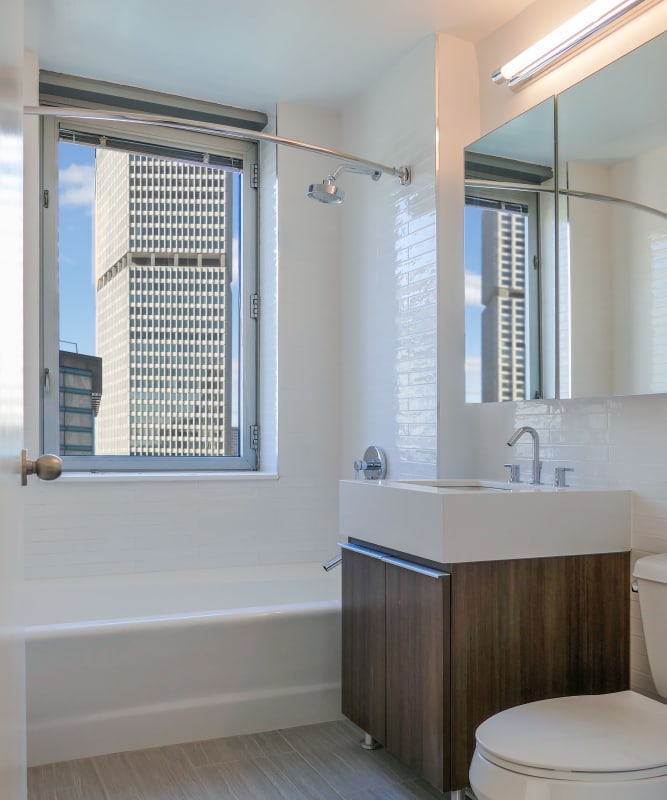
(620, 732)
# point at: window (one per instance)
(501, 270)
(149, 348)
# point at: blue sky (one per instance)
(76, 187)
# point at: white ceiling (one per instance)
(251, 53)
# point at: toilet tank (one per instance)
(651, 575)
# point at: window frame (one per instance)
(248, 458)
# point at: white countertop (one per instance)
(451, 522)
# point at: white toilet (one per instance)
(600, 747)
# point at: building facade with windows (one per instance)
(504, 300)
(163, 304)
(80, 397)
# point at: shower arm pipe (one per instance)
(602, 198)
(228, 131)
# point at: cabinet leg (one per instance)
(369, 743)
(460, 794)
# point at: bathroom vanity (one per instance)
(433, 647)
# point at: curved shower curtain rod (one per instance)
(402, 173)
(472, 183)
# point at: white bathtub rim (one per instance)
(87, 628)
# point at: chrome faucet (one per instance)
(537, 464)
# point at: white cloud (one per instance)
(473, 289)
(76, 185)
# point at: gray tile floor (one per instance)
(314, 762)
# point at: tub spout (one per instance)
(332, 563)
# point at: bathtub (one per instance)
(127, 662)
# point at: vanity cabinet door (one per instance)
(418, 672)
(364, 642)
(532, 629)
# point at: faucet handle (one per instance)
(515, 473)
(560, 477)
(359, 466)
(373, 464)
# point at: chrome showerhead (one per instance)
(327, 191)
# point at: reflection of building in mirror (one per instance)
(504, 205)
(499, 273)
(504, 300)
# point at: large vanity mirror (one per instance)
(597, 324)
(509, 259)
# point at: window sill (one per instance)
(121, 477)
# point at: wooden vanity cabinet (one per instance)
(364, 644)
(396, 659)
(426, 660)
(417, 662)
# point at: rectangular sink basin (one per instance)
(457, 521)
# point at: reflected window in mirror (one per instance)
(501, 262)
(509, 260)
(602, 248)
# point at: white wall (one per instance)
(457, 101)
(619, 442)
(104, 525)
(591, 284)
(619, 281)
(389, 283)
(639, 251)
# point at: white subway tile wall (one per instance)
(97, 528)
(415, 315)
(389, 292)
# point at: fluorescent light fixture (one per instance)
(560, 41)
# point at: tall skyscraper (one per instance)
(163, 272)
(504, 300)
